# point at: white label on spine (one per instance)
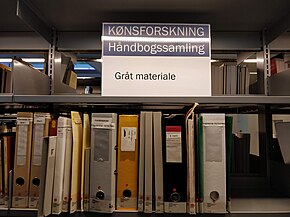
(102, 123)
(39, 119)
(128, 135)
(38, 143)
(22, 145)
(173, 147)
(23, 121)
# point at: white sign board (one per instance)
(156, 60)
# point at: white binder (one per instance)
(67, 141)
(214, 163)
(103, 162)
(63, 124)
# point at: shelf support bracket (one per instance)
(51, 60)
(26, 13)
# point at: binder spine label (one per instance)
(65, 206)
(173, 144)
(19, 201)
(39, 119)
(148, 205)
(175, 207)
(101, 205)
(126, 202)
(73, 206)
(38, 143)
(33, 202)
(102, 123)
(159, 206)
(56, 208)
(86, 203)
(128, 138)
(140, 204)
(22, 144)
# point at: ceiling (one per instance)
(88, 15)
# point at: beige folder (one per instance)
(86, 144)
(127, 165)
(158, 162)
(40, 130)
(77, 132)
(148, 163)
(63, 124)
(22, 159)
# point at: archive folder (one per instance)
(40, 130)
(85, 186)
(214, 163)
(22, 159)
(190, 149)
(63, 124)
(49, 177)
(174, 164)
(127, 163)
(65, 138)
(158, 162)
(103, 162)
(141, 163)
(148, 178)
(77, 132)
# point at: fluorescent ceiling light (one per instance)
(253, 60)
(98, 60)
(5, 60)
(84, 77)
(253, 73)
(29, 60)
(34, 60)
(213, 61)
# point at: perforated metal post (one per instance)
(51, 56)
(267, 64)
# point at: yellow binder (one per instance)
(127, 165)
(77, 131)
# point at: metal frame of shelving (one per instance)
(242, 41)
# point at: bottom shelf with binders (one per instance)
(246, 201)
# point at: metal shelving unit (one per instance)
(55, 36)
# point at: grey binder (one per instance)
(103, 162)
